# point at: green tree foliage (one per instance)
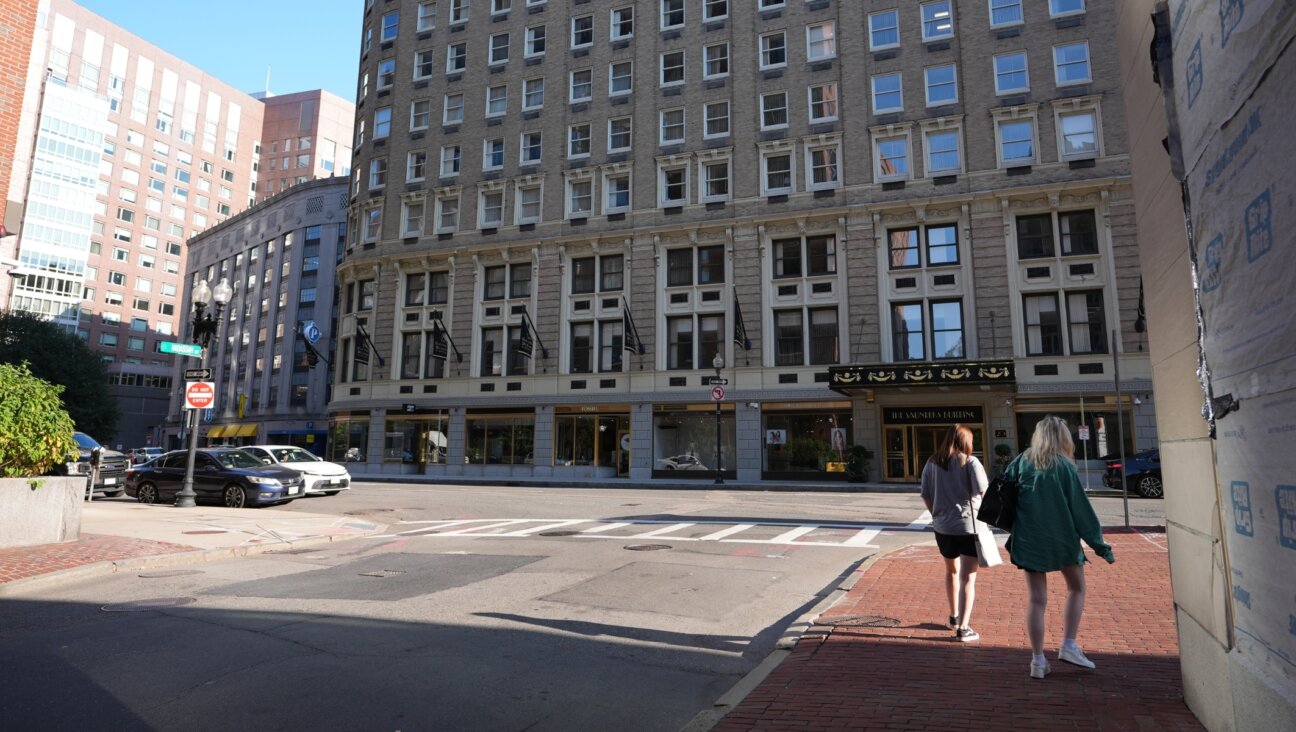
(35, 431)
(60, 357)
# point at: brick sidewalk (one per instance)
(915, 677)
(30, 561)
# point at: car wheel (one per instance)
(146, 493)
(1149, 486)
(234, 497)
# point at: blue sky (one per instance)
(308, 44)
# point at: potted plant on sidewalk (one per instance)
(857, 463)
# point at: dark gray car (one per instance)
(230, 477)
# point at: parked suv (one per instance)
(112, 466)
(141, 455)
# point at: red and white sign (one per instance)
(200, 394)
(1084, 432)
(717, 393)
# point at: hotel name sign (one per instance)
(927, 373)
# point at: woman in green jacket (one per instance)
(1053, 515)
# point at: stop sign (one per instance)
(200, 394)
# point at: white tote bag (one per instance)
(987, 549)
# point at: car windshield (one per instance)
(84, 441)
(238, 459)
(292, 455)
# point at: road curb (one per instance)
(202, 556)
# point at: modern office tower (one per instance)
(306, 135)
(868, 220)
(272, 355)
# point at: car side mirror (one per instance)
(209, 468)
(267, 461)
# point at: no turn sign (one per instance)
(717, 393)
(200, 394)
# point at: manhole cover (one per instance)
(170, 573)
(647, 547)
(382, 573)
(559, 533)
(139, 606)
(367, 511)
(860, 621)
(207, 531)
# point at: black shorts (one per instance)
(952, 545)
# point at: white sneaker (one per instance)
(1075, 656)
(1039, 671)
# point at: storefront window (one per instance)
(1104, 435)
(684, 439)
(500, 439)
(807, 443)
(416, 441)
(350, 442)
(588, 439)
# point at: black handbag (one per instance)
(999, 504)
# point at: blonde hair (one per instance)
(1051, 441)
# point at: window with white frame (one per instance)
(426, 19)
(373, 223)
(616, 189)
(793, 341)
(673, 182)
(770, 4)
(774, 110)
(937, 20)
(499, 48)
(891, 153)
(424, 64)
(447, 211)
(377, 173)
(535, 41)
(390, 24)
(715, 60)
(905, 248)
(884, 30)
(493, 154)
(531, 148)
(672, 14)
(382, 122)
(773, 50)
(672, 68)
(714, 9)
(823, 102)
(582, 86)
(412, 215)
(1060, 8)
(943, 154)
(416, 166)
(888, 93)
(579, 138)
(1015, 135)
(823, 163)
(456, 57)
(622, 23)
(490, 206)
(603, 356)
(420, 114)
(580, 194)
(715, 120)
(620, 78)
(528, 196)
(694, 340)
(1071, 63)
(778, 176)
(449, 160)
(458, 11)
(532, 94)
(386, 73)
(1077, 131)
(582, 31)
(942, 87)
(453, 109)
(672, 127)
(1005, 12)
(1077, 231)
(496, 100)
(499, 7)
(619, 134)
(714, 173)
(821, 41)
(1011, 73)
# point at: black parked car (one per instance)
(1143, 471)
(112, 465)
(230, 477)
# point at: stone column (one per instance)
(542, 442)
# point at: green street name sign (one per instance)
(182, 349)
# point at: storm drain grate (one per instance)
(170, 573)
(646, 547)
(559, 533)
(382, 573)
(860, 621)
(140, 606)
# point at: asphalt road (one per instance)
(480, 609)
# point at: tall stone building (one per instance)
(305, 136)
(876, 220)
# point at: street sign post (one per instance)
(181, 349)
(717, 381)
(717, 393)
(198, 374)
(200, 394)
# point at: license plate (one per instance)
(294, 489)
(109, 481)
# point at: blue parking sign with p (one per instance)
(312, 331)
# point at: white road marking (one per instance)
(862, 538)
(606, 527)
(790, 537)
(665, 530)
(543, 527)
(922, 522)
(725, 533)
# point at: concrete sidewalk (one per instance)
(120, 536)
(881, 658)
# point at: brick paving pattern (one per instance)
(915, 677)
(29, 561)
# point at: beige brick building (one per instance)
(883, 219)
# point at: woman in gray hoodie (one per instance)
(952, 483)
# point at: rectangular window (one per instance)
(1005, 12)
(907, 332)
(611, 272)
(774, 111)
(447, 213)
(420, 114)
(622, 23)
(672, 68)
(825, 341)
(941, 85)
(449, 160)
(672, 14)
(616, 192)
(1071, 63)
(412, 219)
(1017, 142)
(583, 275)
(823, 103)
(621, 78)
(458, 11)
(903, 248)
(424, 64)
(787, 258)
(824, 170)
(528, 201)
(492, 209)
(1086, 322)
(1079, 232)
(715, 180)
(672, 126)
(426, 20)
(493, 154)
(1010, 73)
(582, 348)
(893, 158)
(679, 335)
(416, 166)
(716, 120)
(492, 352)
(1059, 8)
(582, 31)
(496, 101)
(390, 23)
(937, 20)
(1035, 236)
(415, 289)
(495, 279)
(773, 48)
(715, 60)
(582, 86)
(377, 172)
(618, 139)
(578, 140)
(532, 94)
(679, 267)
(821, 41)
(456, 57)
(674, 186)
(1079, 132)
(531, 147)
(942, 152)
(947, 329)
(884, 30)
(789, 338)
(580, 198)
(942, 245)
(821, 255)
(777, 173)
(710, 265)
(611, 342)
(535, 41)
(453, 110)
(520, 280)
(888, 93)
(1043, 325)
(714, 9)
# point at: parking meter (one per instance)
(96, 460)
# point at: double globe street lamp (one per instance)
(206, 326)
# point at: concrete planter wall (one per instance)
(47, 515)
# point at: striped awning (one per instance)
(244, 430)
(219, 430)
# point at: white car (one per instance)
(319, 476)
(686, 461)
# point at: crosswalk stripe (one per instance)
(475, 529)
(861, 538)
(661, 531)
(607, 527)
(428, 529)
(543, 527)
(725, 533)
(789, 537)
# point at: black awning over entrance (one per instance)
(847, 379)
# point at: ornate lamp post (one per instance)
(718, 363)
(205, 327)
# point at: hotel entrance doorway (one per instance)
(912, 434)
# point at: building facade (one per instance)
(305, 135)
(280, 258)
(876, 222)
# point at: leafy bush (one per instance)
(857, 462)
(60, 357)
(35, 431)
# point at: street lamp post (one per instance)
(718, 363)
(205, 327)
